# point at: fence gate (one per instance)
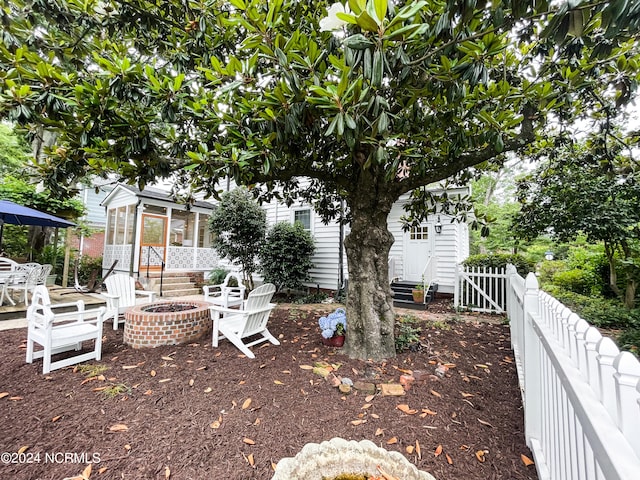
(480, 289)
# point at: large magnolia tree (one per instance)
(369, 99)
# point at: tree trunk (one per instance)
(630, 293)
(370, 315)
(630, 290)
(609, 251)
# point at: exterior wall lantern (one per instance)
(438, 226)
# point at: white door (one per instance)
(418, 247)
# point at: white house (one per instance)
(146, 228)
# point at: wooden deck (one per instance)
(12, 316)
(58, 295)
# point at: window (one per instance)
(205, 237)
(182, 228)
(419, 233)
(120, 220)
(111, 225)
(131, 211)
(304, 217)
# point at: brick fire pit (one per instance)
(166, 323)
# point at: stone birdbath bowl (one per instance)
(337, 456)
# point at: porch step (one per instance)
(403, 298)
(181, 293)
(174, 286)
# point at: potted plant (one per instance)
(334, 327)
(418, 293)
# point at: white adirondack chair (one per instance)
(61, 332)
(223, 295)
(250, 320)
(121, 295)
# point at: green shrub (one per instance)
(598, 311)
(500, 260)
(575, 280)
(548, 269)
(630, 340)
(217, 276)
(285, 257)
(88, 267)
(54, 257)
(407, 334)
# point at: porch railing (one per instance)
(581, 395)
(150, 249)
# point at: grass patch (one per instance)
(115, 390)
(92, 370)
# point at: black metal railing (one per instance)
(162, 264)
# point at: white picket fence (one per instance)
(480, 289)
(581, 395)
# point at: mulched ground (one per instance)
(194, 412)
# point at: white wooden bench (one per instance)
(61, 332)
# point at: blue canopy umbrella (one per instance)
(19, 215)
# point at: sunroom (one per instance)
(147, 231)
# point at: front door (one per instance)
(417, 251)
(152, 245)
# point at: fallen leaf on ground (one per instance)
(409, 449)
(418, 450)
(278, 382)
(426, 411)
(152, 373)
(246, 404)
(449, 459)
(207, 390)
(485, 423)
(368, 398)
(4, 394)
(392, 440)
(56, 418)
(403, 407)
(216, 423)
(167, 472)
(466, 395)
(23, 449)
(379, 432)
(435, 394)
(250, 459)
(355, 423)
(306, 367)
(480, 456)
(438, 451)
(526, 460)
(248, 441)
(118, 427)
